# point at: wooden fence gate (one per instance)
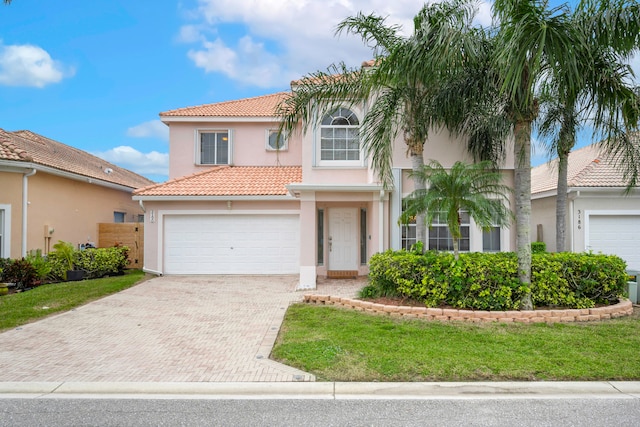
(130, 234)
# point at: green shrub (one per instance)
(58, 267)
(537, 247)
(489, 281)
(40, 264)
(102, 262)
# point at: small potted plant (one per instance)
(67, 253)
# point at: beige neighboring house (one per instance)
(51, 191)
(600, 218)
(239, 200)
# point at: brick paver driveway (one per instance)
(172, 328)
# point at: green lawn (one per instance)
(18, 309)
(343, 345)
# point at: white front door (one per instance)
(343, 239)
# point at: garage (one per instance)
(615, 234)
(232, 244)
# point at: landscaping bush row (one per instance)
(489, 281)
(36, 268)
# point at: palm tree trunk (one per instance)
(456, 248)
(522, 148)
(561, 202)
(417, 164)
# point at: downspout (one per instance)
(25, 203)
(141, 203)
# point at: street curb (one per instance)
(322, 390)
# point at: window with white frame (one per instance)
(408, 232)
(491, 239)
(276, 141)
(440, 236)
(5, 231)
(214, 147)
(2, 233)
(339, 138)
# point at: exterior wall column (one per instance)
(307, 241)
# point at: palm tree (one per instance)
(400, 103)
(604, 97)
(497, 82)
(474, 188)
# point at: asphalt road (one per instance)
(540, 411)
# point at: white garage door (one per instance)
(616, 234)
(231, 244)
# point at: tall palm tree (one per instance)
(605, 97)
(399, 103)
(500, 76)
(475, 189)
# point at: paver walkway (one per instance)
(167, 329)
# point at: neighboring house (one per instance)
(241, 201)
(600, 218)
(52, 192)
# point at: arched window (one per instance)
(339, 136)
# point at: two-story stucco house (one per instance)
(241, 201)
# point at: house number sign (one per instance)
(579, 219)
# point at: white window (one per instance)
(339, 139)
(408, 232)
(5, 231)
(2, 235)
(214, 147)
(491, 239)
(440, 237)
(275, 141)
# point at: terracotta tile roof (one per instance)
(27, 146)
(588, 167)
(229, 181)
(259, 106)
(9, 151)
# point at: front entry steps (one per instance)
(342, 274)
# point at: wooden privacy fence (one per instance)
(130, 234)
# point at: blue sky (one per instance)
(95, 74)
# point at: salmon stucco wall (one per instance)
(70, 209)
(248, 144)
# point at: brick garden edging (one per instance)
(623, 308)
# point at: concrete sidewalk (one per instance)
(323, 390)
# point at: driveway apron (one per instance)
(171, 328)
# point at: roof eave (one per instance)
(21, 167)
(219, 119)
(296, 189)
(168, 198)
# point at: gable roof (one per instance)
(229, 181)
(259, 106)
(588, 167)
(27, 146)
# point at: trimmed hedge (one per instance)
(95, 263)
(489, 281)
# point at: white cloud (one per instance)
(153, 163)
(281, 40)
(150, 129)
(29, 65)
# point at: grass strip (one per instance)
(343, 345)
(25, 307)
